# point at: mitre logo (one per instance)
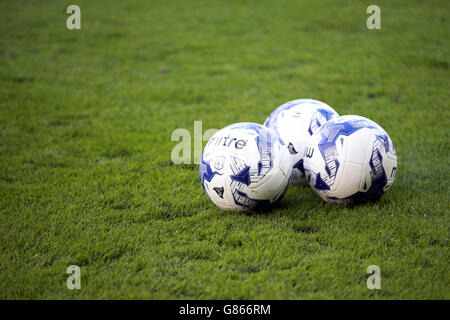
(228, 142)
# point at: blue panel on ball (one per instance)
(320, 184)
(299, 166)
(243, 176)
(206, 172)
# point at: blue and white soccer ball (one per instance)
(245, 166)
(295, 122)
(350, 160)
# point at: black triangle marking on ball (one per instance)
(292, 149)
(219, 191)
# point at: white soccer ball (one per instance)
(295, 122)
(350, 160)
(245, 166)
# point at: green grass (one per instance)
(85, 173)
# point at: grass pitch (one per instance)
(86, 178)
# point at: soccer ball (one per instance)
(245, 166)
(295, 122)
(350, 160)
